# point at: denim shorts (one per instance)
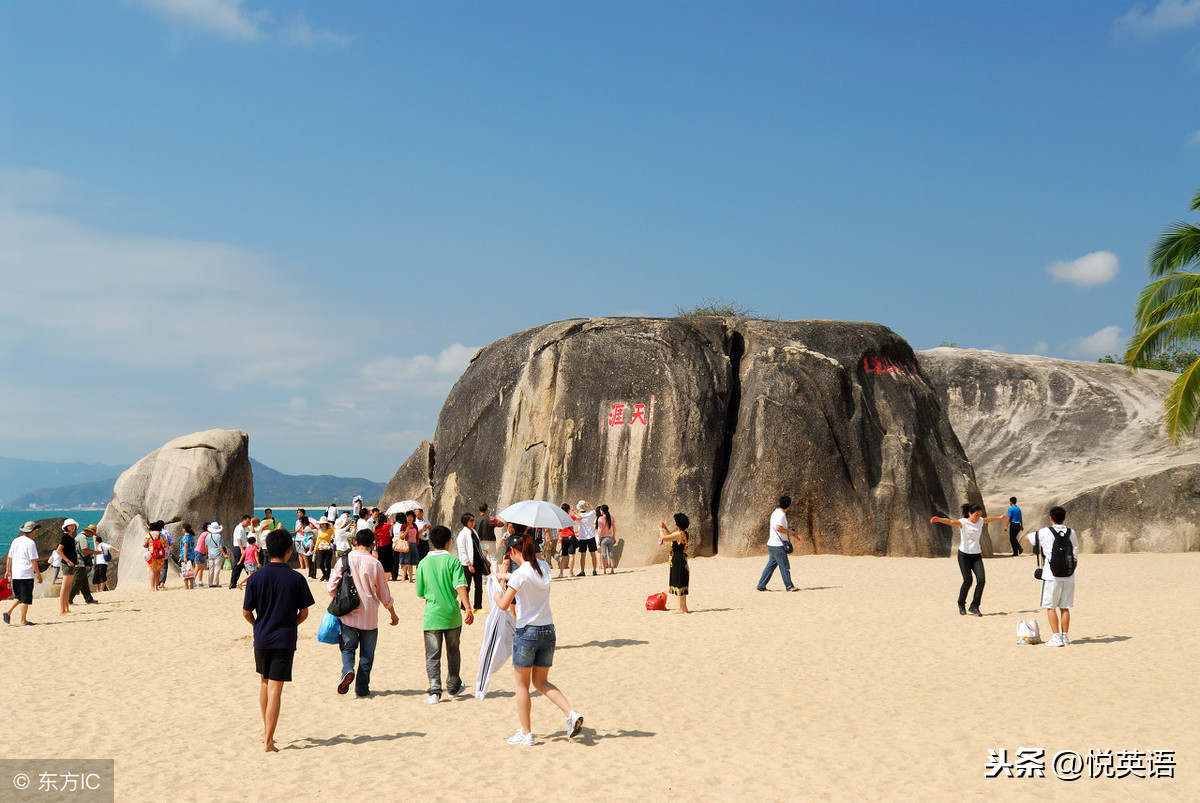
(533, 645)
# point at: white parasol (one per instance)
(403, 507)
(534, 513)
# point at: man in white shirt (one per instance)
(241, 535)
(587, 535)
(423, 529)
(1058, 592)
(777, 555)
(21, 566)
(475, 564)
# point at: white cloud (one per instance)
(144, 301)
(230, 19)
(1167, 15)
(299, 32)
(1091, 270)
(225, 18)
(422, 374)
(1041, 347)
(1108, 340)
(1195, 139)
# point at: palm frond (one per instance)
(1183, 404)
(1196, 202)
(1175, 249)
(1172, 296)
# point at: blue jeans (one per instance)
(364, 642)
(776, 557)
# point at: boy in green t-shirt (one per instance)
(443, 586)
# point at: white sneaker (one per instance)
(1055, 640)
(574, 724)
(524, 739)
(1064, 641)
(432, 699)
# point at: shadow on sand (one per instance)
(1099, 639)
(616, 642)
(341, 738)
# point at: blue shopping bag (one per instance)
(330, 630)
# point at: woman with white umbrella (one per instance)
(534, 640)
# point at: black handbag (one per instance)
(787, 546)
(346, 599)
(1037, 551)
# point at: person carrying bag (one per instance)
(346, 599)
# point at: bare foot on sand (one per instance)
(270, 748)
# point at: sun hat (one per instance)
(30, 526)
(91, 528)
(68, 523)
(582, 505)
(342, 521)
(323, 520)
(214, 528)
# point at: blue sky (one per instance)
(301, 218)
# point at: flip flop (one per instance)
(30, 624)
(7, 619)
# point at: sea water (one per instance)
(11, 521)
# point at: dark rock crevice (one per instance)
(735, 349)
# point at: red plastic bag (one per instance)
(656, 602)
(5, 589)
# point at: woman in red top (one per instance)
(383, 543)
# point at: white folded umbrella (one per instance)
(497, 647)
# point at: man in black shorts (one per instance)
(281, 599)
(21, 566)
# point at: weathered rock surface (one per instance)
(1088, 436)
(653, 416)
(197, 478)
(413, 480)
(840, 416)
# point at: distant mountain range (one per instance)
(36, 485)
(22, 476)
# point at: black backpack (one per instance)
(1062, 555)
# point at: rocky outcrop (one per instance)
(841, 416)
(197, 478)
(1088, 436)
(413, 480)
(712, 417)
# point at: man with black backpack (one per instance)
(1060, 546)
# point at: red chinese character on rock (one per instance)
(616, 416)
(639, 414)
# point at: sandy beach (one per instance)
(866, 685)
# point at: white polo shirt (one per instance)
(778, 519)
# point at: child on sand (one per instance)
(249, 559)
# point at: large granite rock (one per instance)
(413, 480)
(1088, 436)
(840, 416)
(712, 417)
(196, 479)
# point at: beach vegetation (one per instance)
(720, 308)
(1167, 319)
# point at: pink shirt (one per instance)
(250, 555)
(372, 588)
